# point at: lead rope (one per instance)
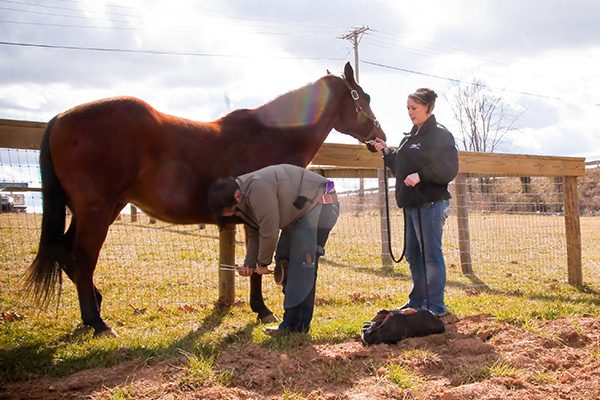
(387, 219)
(423, 257)
(389, 234)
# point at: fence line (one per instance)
(353, 161)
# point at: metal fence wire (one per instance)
(516, 227)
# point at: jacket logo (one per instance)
(416, 146)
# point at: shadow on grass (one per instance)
(209, 324)
(38, 358)
(382, 272)
(476, 284)
(37, 355)
(479, 285)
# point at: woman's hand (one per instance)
(412, 179)
(380, 145)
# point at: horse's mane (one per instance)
(299, 107)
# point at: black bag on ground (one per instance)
(393, 326)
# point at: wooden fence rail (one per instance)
(354, 161)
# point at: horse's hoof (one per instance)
(267, 319)
(110, 332)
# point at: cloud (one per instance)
(518, 28)
(542, 56)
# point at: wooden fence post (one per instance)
(462, 217)
(133, 213)
(572, 231)
(227, 257)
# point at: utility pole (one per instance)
(354, 36)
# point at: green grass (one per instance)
(122, 393)
(484, 370)
(541, 378)
(159, 284)
(596, 353)
(291, 395)
(199, 370)
(403, 377)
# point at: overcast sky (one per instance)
(202, 59)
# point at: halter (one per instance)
(360, 111)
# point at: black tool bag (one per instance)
(393, 326)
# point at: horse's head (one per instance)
(356, 117)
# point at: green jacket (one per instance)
(267, 205)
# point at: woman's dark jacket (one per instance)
(432, 154)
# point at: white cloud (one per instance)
(256, 50)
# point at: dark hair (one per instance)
(424, 96)
(220, 196)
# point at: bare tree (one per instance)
(483, 118)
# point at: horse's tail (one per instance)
(45, 271)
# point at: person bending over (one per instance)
(303, 206)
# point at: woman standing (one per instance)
(424, 163)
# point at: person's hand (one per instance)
(380, 145)
(244, 270)
(412, 179)
(260, 270)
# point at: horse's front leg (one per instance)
(257, 303)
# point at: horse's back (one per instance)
(119, 150)
(108, 112)
(107, 129)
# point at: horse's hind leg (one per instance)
(86, 236)
(69, 237)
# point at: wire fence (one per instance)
(516, 225)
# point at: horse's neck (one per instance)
(305, 115)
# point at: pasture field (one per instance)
(159, 284)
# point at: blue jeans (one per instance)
(428, 218)
(303, 244)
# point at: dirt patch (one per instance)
(476, 358)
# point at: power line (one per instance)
(411, 71)
(225, 55)
(432, 48)
(163, 52)
(459, 81)
(188, 18)
(154, 28)
(187, 14)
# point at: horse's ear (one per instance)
(349, 73)
(328, 71)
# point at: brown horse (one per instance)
(97, 157)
